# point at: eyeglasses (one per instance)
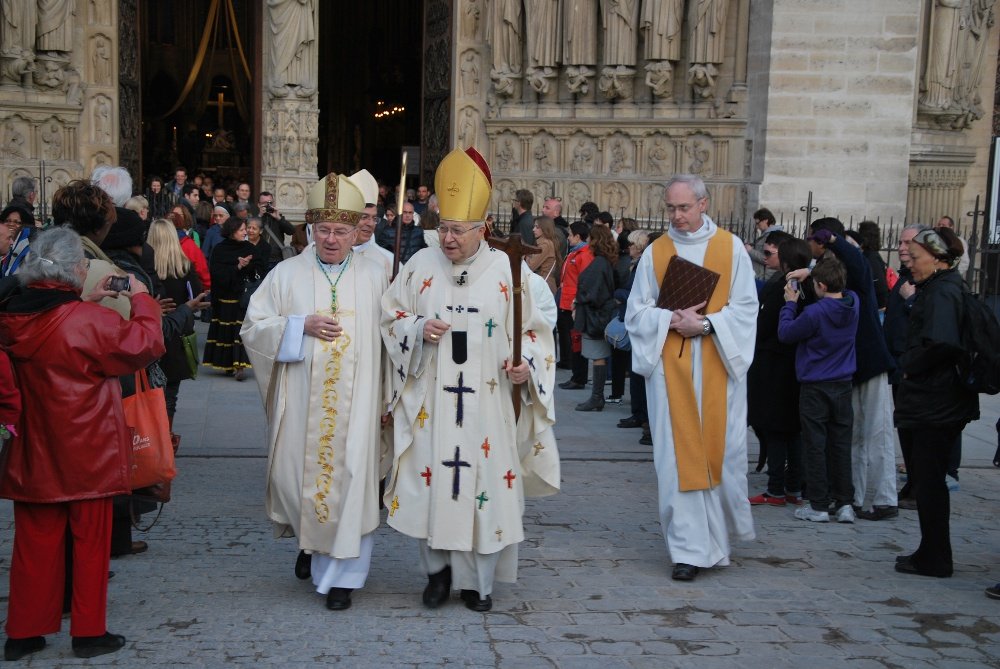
(683, 208)
(340, 233)
(768, 254)
(457, 233)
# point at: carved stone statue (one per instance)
(291, 55)
(619, 21)
(13, 142)
(506, 160)
(617, 197)
(18, 19)
(579, 32)
(977, 19)
(699, 154)
(659, 158)
(583, 156)
(616, 82)
(55, 28)
(544, 32)
(578, 79)
(101, 61)
(619, 158)
(701, 79)
(468, 127)
(708, 38)
(470, 20)
(100, 12)
(506, 30)
(542, 158)
(102, 120)
(941, 74)
(661, 26)
(469, 70)
(660, 78)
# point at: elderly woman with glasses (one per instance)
(62, 474)
(932, 404)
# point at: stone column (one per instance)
(290, 125)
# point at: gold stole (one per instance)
(699, 440)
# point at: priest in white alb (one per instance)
(312, 333)
(365, 244)
(459, 474)
(696, 368)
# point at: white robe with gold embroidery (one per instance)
(458, 475)
(323, 410)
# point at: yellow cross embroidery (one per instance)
(548, 362)
(499, 534)
(394, 505)
(392, 331)
(422, 416)
(538, 448)
(492, 383)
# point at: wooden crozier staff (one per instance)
(516, 250)
(400, 198)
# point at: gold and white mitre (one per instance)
(335, 199)
(463, 185)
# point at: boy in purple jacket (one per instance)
(824, 364)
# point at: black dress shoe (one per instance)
(646, 440)
(572, 385)
(684, 572)
(630, 422)
(474, 602)
(92, 646)
(15, 649)
(303, 565)
(903, 558)
(877, 513)
(438, 588)
(338, 599)
(907, 567)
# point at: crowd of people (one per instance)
(395, 388)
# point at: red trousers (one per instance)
(38, 566)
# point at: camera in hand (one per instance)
(118, 283)
(269, 208)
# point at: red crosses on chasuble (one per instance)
(486, 447)
(426, 284)
(531, 335)
(400, 315)
(509, 478)
(427, 476)
(503, 291)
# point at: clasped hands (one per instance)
(688, 322)
(325, 328)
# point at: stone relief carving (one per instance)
(18, 19)
(100, 12)
(578, 79)
(99, 158)
(655, 202)
(660, 78)
(469, 71)
(699, 151)
(542, 189)
(617, 197)
(543, 153)
(100, 60)
(291, 195)
(51, 135)
(59, 179)
(577, 193)
(470, 20)
(619, 155)
(73, 87)
(504, 33)
(14, 142)
(659, 158)
(583, 156)
(660, 24)
(290, 152)
(54, 30)
(707, 46)
(291, 55)
(101, 120)
(17, 67)
(504, 190)
(468, 127)
(436, 66)
(507, 155)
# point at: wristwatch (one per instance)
(706, 327)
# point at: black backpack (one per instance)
(979, 368)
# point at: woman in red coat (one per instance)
(67, 356)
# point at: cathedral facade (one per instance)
(877, 109)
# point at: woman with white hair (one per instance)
(62, 474)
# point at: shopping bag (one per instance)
(152, 458)
(190, 343)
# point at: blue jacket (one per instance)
(825, 332)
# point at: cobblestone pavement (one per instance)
(594, 590)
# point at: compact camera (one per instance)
(118, 283)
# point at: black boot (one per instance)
(303, 566)
(92, 646)
(15, 649)
(596, 401)
(438, 588)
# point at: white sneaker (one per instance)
(806, 512)
(845, 514)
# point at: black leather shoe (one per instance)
(907, 567)
(646, 440)
(572, 385)
(438, 588)
(684, 572)
(303, 565)
(903, 558)
(630, 422)
(338, 599)
(473, 601)
(15, 649)
(92, 646)
(877, 513)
